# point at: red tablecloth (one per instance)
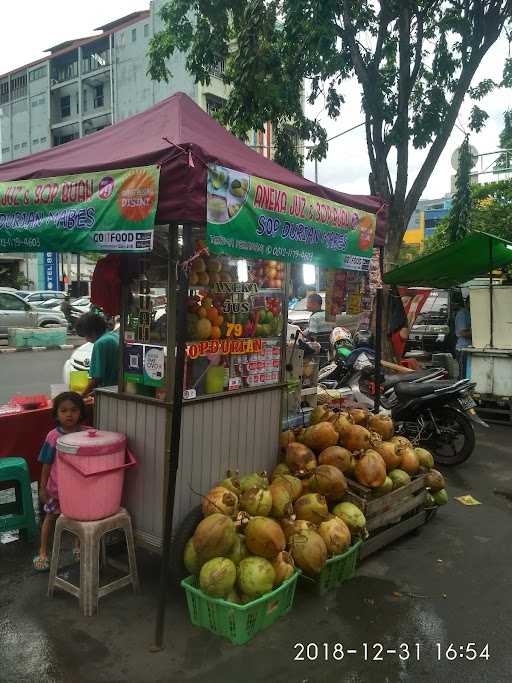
(23, 434)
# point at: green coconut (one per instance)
(256, 480)
(352, 516)
(217, 577)
(190, 559)
(440, 497)
(256, 576)
(399, 478)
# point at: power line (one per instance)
(338, 135)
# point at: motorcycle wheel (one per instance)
(457, 439)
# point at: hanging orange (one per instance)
(215, 332)
(212, 315)
(202, 312)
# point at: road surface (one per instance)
(30, 372)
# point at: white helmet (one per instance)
(340, 334)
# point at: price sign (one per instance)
(234, 330)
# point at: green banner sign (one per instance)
(251, 217)
(104, 211)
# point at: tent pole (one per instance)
(378, 334)
(175, 432)
(491, 310)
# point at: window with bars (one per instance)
(19, 86)
(36, 74)
(214, 104)
(4, 92)
(99, 99)
(65, 106)
(219, 68)
(146, 30)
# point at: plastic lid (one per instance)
(91, 442)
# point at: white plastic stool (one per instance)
(91, 544)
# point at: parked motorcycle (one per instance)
(437, 412)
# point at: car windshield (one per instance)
(435, 309)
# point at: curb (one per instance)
(55, 347)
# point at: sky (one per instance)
(28, 27)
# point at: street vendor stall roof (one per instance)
(476, 254)
(180, 137)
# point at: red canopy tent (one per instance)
(180, 137)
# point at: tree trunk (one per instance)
(394, 237)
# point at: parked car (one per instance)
(299, 315)
(431, 330)
(15, 312)
(43, 295)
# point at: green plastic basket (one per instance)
(238, 623)
(337, 570)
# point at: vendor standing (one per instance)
(463, 334)
(317, 323)
(104, 367)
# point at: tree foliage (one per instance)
(504, 161)
(459, 218)
(414, 60)
(491, 212)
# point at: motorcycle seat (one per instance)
(392, 380)
(410, 390)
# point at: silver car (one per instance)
(15, 312)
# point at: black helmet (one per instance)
(362, 338)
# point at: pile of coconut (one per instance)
(257, 529)
(363, 447)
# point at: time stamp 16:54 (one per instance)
(378, 652)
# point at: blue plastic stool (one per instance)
(19, 514)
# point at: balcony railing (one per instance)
(64, 73)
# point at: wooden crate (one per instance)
(390, 508)
(394, 532)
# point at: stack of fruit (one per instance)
(364, 447)
(267, 274)
(204, 320)
(255, 530)
(209, 270)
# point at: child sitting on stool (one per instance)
(69, 413)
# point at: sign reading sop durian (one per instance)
(103, 211)
(250, 217)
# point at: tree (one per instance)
(414, 60)
(504, 161)
(491, 212)
(459, 218)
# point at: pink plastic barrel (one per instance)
(90, 471)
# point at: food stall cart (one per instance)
(489, 362)
(228, 220)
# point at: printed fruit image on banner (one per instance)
(137, 196)
(103, 211)
(250, 217)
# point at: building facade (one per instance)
(86, 84)
(423, 222)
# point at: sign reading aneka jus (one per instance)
(101, 211)
(250, 217)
